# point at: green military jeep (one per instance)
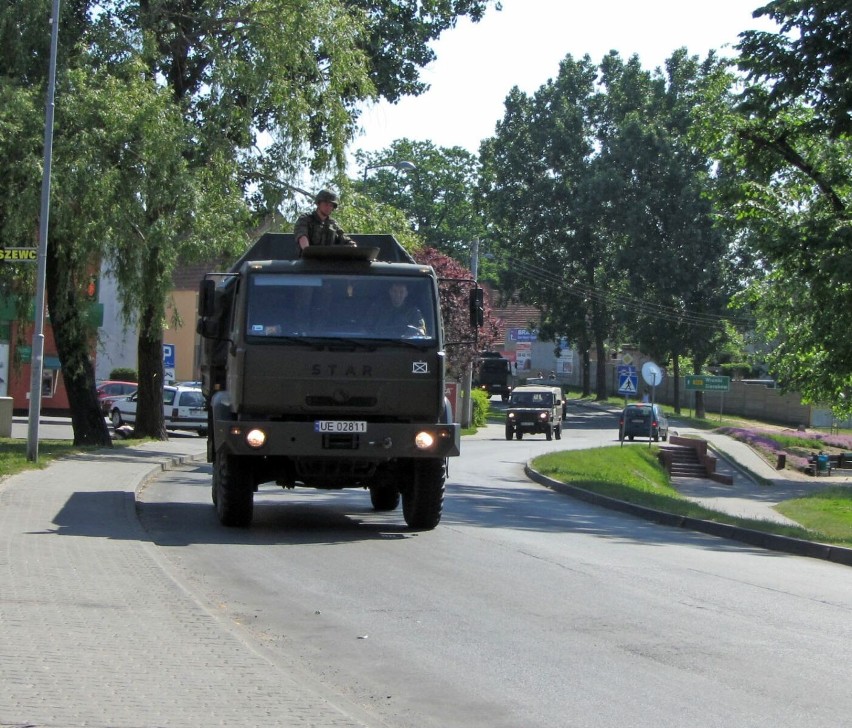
(534, 409)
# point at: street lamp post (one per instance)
(402, 166)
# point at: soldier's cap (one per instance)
(326, 196)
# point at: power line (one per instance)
(623, 301)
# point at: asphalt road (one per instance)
(523, 608)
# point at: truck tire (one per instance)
(519, 435)
(558, 432)
(508, 432)
(549, 433)
(233, 492)
(423, 500)
(384, 498)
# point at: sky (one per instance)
(522, 45)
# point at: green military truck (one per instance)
(494, 374)
(310, 384)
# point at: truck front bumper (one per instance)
(382, 440)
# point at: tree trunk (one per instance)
(700, 412)
(74, 338)
(676, 375)
(587, 376)
(149, 352)
(600, 369)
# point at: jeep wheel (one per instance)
(558, 432)
(519, 435)
(384, 498)
(423, 500)
(234, 491)
(508, 432)
(549, 433)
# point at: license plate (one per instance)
(340, 426)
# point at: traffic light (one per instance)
(477, 307)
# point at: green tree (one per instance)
(672, 253)
(543, 190)
(439, 197)
(791, 160)
(206, 112)
(72, 255)
(596, 181)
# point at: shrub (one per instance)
(481, 406)
(124, 374)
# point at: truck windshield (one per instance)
(334, 306)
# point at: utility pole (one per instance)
(467, 384)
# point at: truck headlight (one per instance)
(255, 438)
(511, 415)
(542, 415)
(424, 440)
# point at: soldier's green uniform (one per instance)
(321, 231)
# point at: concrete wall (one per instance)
(747, 400)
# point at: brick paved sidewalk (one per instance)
(93, 629)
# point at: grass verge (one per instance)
(13, 454)
(635, 476)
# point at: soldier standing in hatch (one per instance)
(319, 227)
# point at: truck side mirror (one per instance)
(206, 298)
(477, 308)
(208, 323)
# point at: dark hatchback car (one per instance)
(643, 420)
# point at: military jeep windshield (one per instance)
(334, 306)
(531, 399)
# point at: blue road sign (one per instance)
(169, 356)
(628, 380)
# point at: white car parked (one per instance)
(183, 409)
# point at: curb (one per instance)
(770, 541)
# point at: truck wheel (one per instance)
(558, 432)
(508, 433)
(519, 435)
(234, 493)
(423, 500)
(549, 433)
(384, 498)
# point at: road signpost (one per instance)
(628, 381)
(708, 383)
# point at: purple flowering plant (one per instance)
(796, 445)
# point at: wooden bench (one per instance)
(844, 461)
(833, 462)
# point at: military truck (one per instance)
(494, 375)
(309, 384)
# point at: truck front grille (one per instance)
(319, 401)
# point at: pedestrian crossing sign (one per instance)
(628, 384)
